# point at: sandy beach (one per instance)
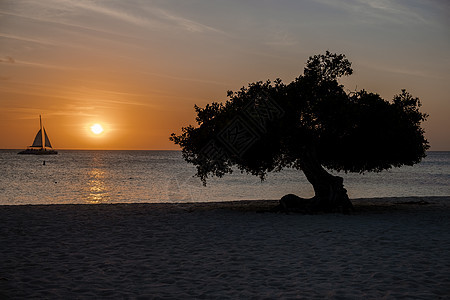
(393, 248)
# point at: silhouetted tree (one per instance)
(312, 125)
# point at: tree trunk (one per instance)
(330, 194)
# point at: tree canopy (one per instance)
(269, 126)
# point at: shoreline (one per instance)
(360, 204)
(226, 250)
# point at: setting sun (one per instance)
(96, 128)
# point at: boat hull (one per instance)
(38, 152)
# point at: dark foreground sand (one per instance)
(225, 250)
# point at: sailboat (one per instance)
(41, 144)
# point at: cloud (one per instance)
(187, 24)
(25, 39)
(8, 60)
(61, 31)
(149, 17)
(403, 71)
(382, 10)
(393, 9)
(113, 13)
(33, 64)
(200, 80)
(281, 38)
(29, 113)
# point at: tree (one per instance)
(311, 124)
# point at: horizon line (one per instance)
(87, 149)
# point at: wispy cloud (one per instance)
(387, 10)
(31, 89)
(185, 23)
(8, 60)
(393, 9)
(190, 79)
(105, 98)
(26, 39)
(108, 11)
(402, 71)
(61, 25)
(44, 65)
(30, 113)
(146, 15)
(281, 38)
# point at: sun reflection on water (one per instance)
(98, 192)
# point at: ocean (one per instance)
(83, 177)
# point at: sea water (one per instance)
(163, 176)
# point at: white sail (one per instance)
(47, 141)
(38, 139)
(41, 144)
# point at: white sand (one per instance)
(225, 250)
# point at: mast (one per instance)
(42, 133)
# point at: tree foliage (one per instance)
(269, 126)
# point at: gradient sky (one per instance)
(138, 67)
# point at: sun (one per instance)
(96, 129)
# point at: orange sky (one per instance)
(138, 67)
